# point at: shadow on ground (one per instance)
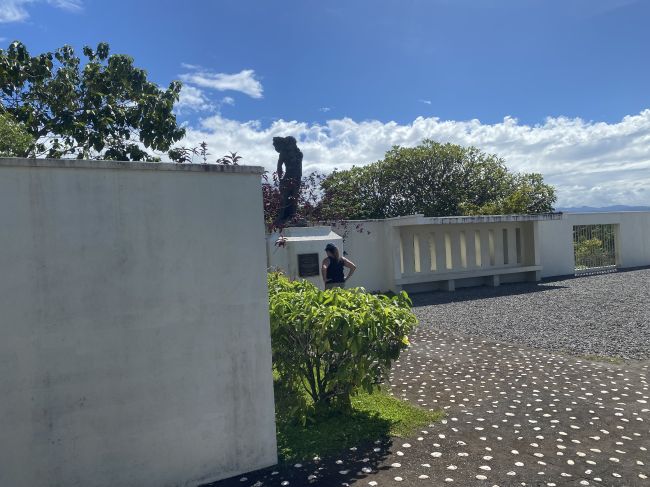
(476, 293)
(334, 450)
(349, 466)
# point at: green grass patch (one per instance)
(603, 358)
(373, 417)
(405, 418)
(593, 357)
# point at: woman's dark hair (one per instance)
(333, 249)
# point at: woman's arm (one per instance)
(323, 269)
(350, 265)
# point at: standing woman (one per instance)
(332, 268)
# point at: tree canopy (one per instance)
(434, 179)
(14, 139)
(103, 108)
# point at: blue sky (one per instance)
(558, 87)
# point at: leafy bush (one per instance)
(100, 106)
(14, 139)
(591, 253)
(436, 180)
(327, 345)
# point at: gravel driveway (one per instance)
(606, 314)
(515, 416)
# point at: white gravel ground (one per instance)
(606, 315)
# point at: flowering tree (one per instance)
(309, 200)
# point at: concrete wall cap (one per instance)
(587, 213)
(316, 231)
(449, 220)
(139, 166)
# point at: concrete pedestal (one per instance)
(303, 251)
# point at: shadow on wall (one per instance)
(475, 293)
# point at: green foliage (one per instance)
(327, 347)
(590, 253)
(332, 343)
(373, 416)
(594, 246)
(526, 194)
(104, 108)
(183, 155)
(404, 417)
(14, 139)
(436, 180)
(603, 358)
(330, 435)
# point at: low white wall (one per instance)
(555, 240)
(135, 343)
(376, 247)
(547, 243)
(297, 241)
(555, 247)
(366, 247)
(633, 234)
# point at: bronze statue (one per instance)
(290, 179)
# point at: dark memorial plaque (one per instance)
(308, 265)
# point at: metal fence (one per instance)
(594, 248)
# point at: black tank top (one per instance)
(335, 271)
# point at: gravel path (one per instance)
(514, 417)
(606, 314)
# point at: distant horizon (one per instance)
(604, 208)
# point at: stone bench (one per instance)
(491, 274)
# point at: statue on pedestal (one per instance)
(290, 177)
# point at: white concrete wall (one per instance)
(436, 234)
(556, 240)
(365, 246)
(633, 234)
(135, 345)
(555, 247)
(300, 240)
(377, 255)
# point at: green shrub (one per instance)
(14, 139)
(330, 344)
(591, 253)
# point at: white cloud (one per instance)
(426, 102)
(13, 10)
(591, 163)
(193, 99)
(72, 5)
(243, 81)
(324, 109)
(16, 10)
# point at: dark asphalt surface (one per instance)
(516, 416)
